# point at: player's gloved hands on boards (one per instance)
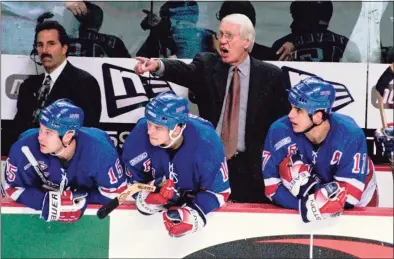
(295, 175)
(180, 221)
(328, 201)
(66, 206)
(149, 203)
(311, 186)
(384, 140)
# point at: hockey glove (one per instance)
(384, 140)
(328, 201)
(67, 206)
(180, 221)
(294, 173)
(311, 186)
(149, 203)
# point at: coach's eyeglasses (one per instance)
(227, 35)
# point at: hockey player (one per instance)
(183, 155)
(315, 160)
(384, 137)
(78, 165)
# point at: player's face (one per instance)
(49, 140)
(158, 135)
(50, 50)
(233, 49)
(299, 119)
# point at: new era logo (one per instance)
(126, 91)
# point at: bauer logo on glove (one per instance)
(64, 206)
(328, 201)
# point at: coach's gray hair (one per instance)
(246, 30)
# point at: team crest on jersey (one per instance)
(43, 167)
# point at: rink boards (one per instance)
(237, 230)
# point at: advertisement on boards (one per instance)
(124, 94)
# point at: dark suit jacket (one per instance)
(73, 83)
(207, 76)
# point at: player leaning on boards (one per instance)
(77, 165)
(183, 156)
(315, 160)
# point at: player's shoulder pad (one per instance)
(98, 143)
(281, 125)
(141, 122)
(345, 126)
(199, 121)
(30, 133)
(202, 133)
(94, 135)
(281, 133)
(27, 138)
(202, 130)
(140, 128)
(137, 136)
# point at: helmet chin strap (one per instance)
(172, 138)
(312, 126)
(59, 153)
(63, 148)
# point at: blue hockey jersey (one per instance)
(95, 168)
(198, 167)
(341, 157)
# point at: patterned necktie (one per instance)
(229, 134)
(42, 97)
